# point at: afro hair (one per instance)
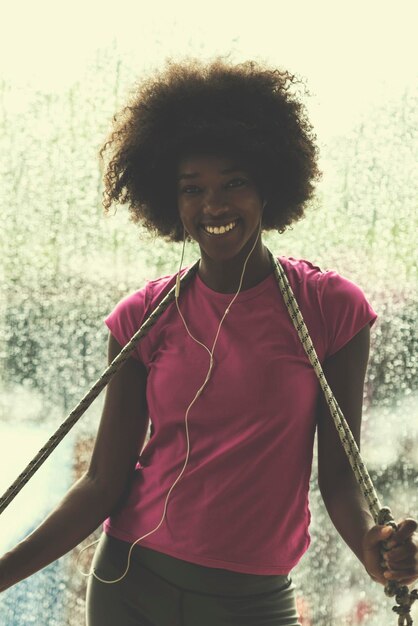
(215, 107)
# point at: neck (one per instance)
(224, 275)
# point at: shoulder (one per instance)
(131, 310)
(303, 276)
(301, 270)
(341, 305)
(338, 291)
(142, 300)
(327, 282)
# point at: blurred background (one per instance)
(65, 69)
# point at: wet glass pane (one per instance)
(63, 266)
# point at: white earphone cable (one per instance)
(177, 294)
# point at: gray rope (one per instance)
(381, 515)
(85, 402)
(343, 428)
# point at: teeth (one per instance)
(220, 230)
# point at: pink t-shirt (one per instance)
(242, 502)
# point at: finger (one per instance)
(403, 566)
(405, 529)
(401, 550)
(376, 535)
(402, 556)
(409, 581)
(400, 574)
(405, 553)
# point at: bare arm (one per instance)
(345, 372)
(346, 505)
(91, 499)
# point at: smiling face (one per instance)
(215, 191)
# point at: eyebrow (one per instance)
(227, 171)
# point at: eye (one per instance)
(188, 188)
(240, 181)
(192, 189)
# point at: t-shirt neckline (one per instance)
(252, 292)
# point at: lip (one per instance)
(219, 224)
(223, 235)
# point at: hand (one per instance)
(402, 558)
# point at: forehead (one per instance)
(194, 164)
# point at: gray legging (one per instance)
(160, 590)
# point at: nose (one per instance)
(214, 202)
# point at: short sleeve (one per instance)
(344, 310)
(127, 317)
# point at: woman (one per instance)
(206, 525)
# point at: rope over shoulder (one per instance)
(381, 515)
(91, 395)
